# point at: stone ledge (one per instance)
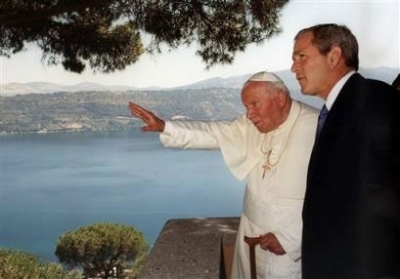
(191, 248)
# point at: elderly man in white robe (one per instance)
(270, 145)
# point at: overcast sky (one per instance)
(376, 25)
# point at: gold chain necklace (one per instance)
(268, 165)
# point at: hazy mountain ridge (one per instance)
(94, 111)
(93, 107)
(12, 89)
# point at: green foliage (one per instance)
(102, 248)
(21, 265)
(106, 34)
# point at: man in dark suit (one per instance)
(351, 214)
(396, 83)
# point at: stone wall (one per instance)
(192, 248)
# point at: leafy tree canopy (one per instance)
(106, 34)
(102, 249)
(17, 265)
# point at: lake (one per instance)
(54, 183)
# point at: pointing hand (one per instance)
(153, 123)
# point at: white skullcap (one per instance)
(265, 76)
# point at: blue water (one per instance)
(53, 183)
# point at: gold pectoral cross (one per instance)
(266, 168)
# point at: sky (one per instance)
(376, 24)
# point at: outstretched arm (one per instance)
(153, 123)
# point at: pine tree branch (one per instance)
(22, 18)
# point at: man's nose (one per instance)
(249, 113)
(294, 67)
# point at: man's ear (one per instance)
(282, 98)
(334, 56)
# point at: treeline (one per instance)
(101, 250)
(94, 111)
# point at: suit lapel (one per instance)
(340, 115)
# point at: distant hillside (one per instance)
(48, 107)
(12, 89)
(94, 111)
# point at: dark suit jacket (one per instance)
(351, 214)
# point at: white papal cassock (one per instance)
(271, 204)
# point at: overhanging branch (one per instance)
(21, 18)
